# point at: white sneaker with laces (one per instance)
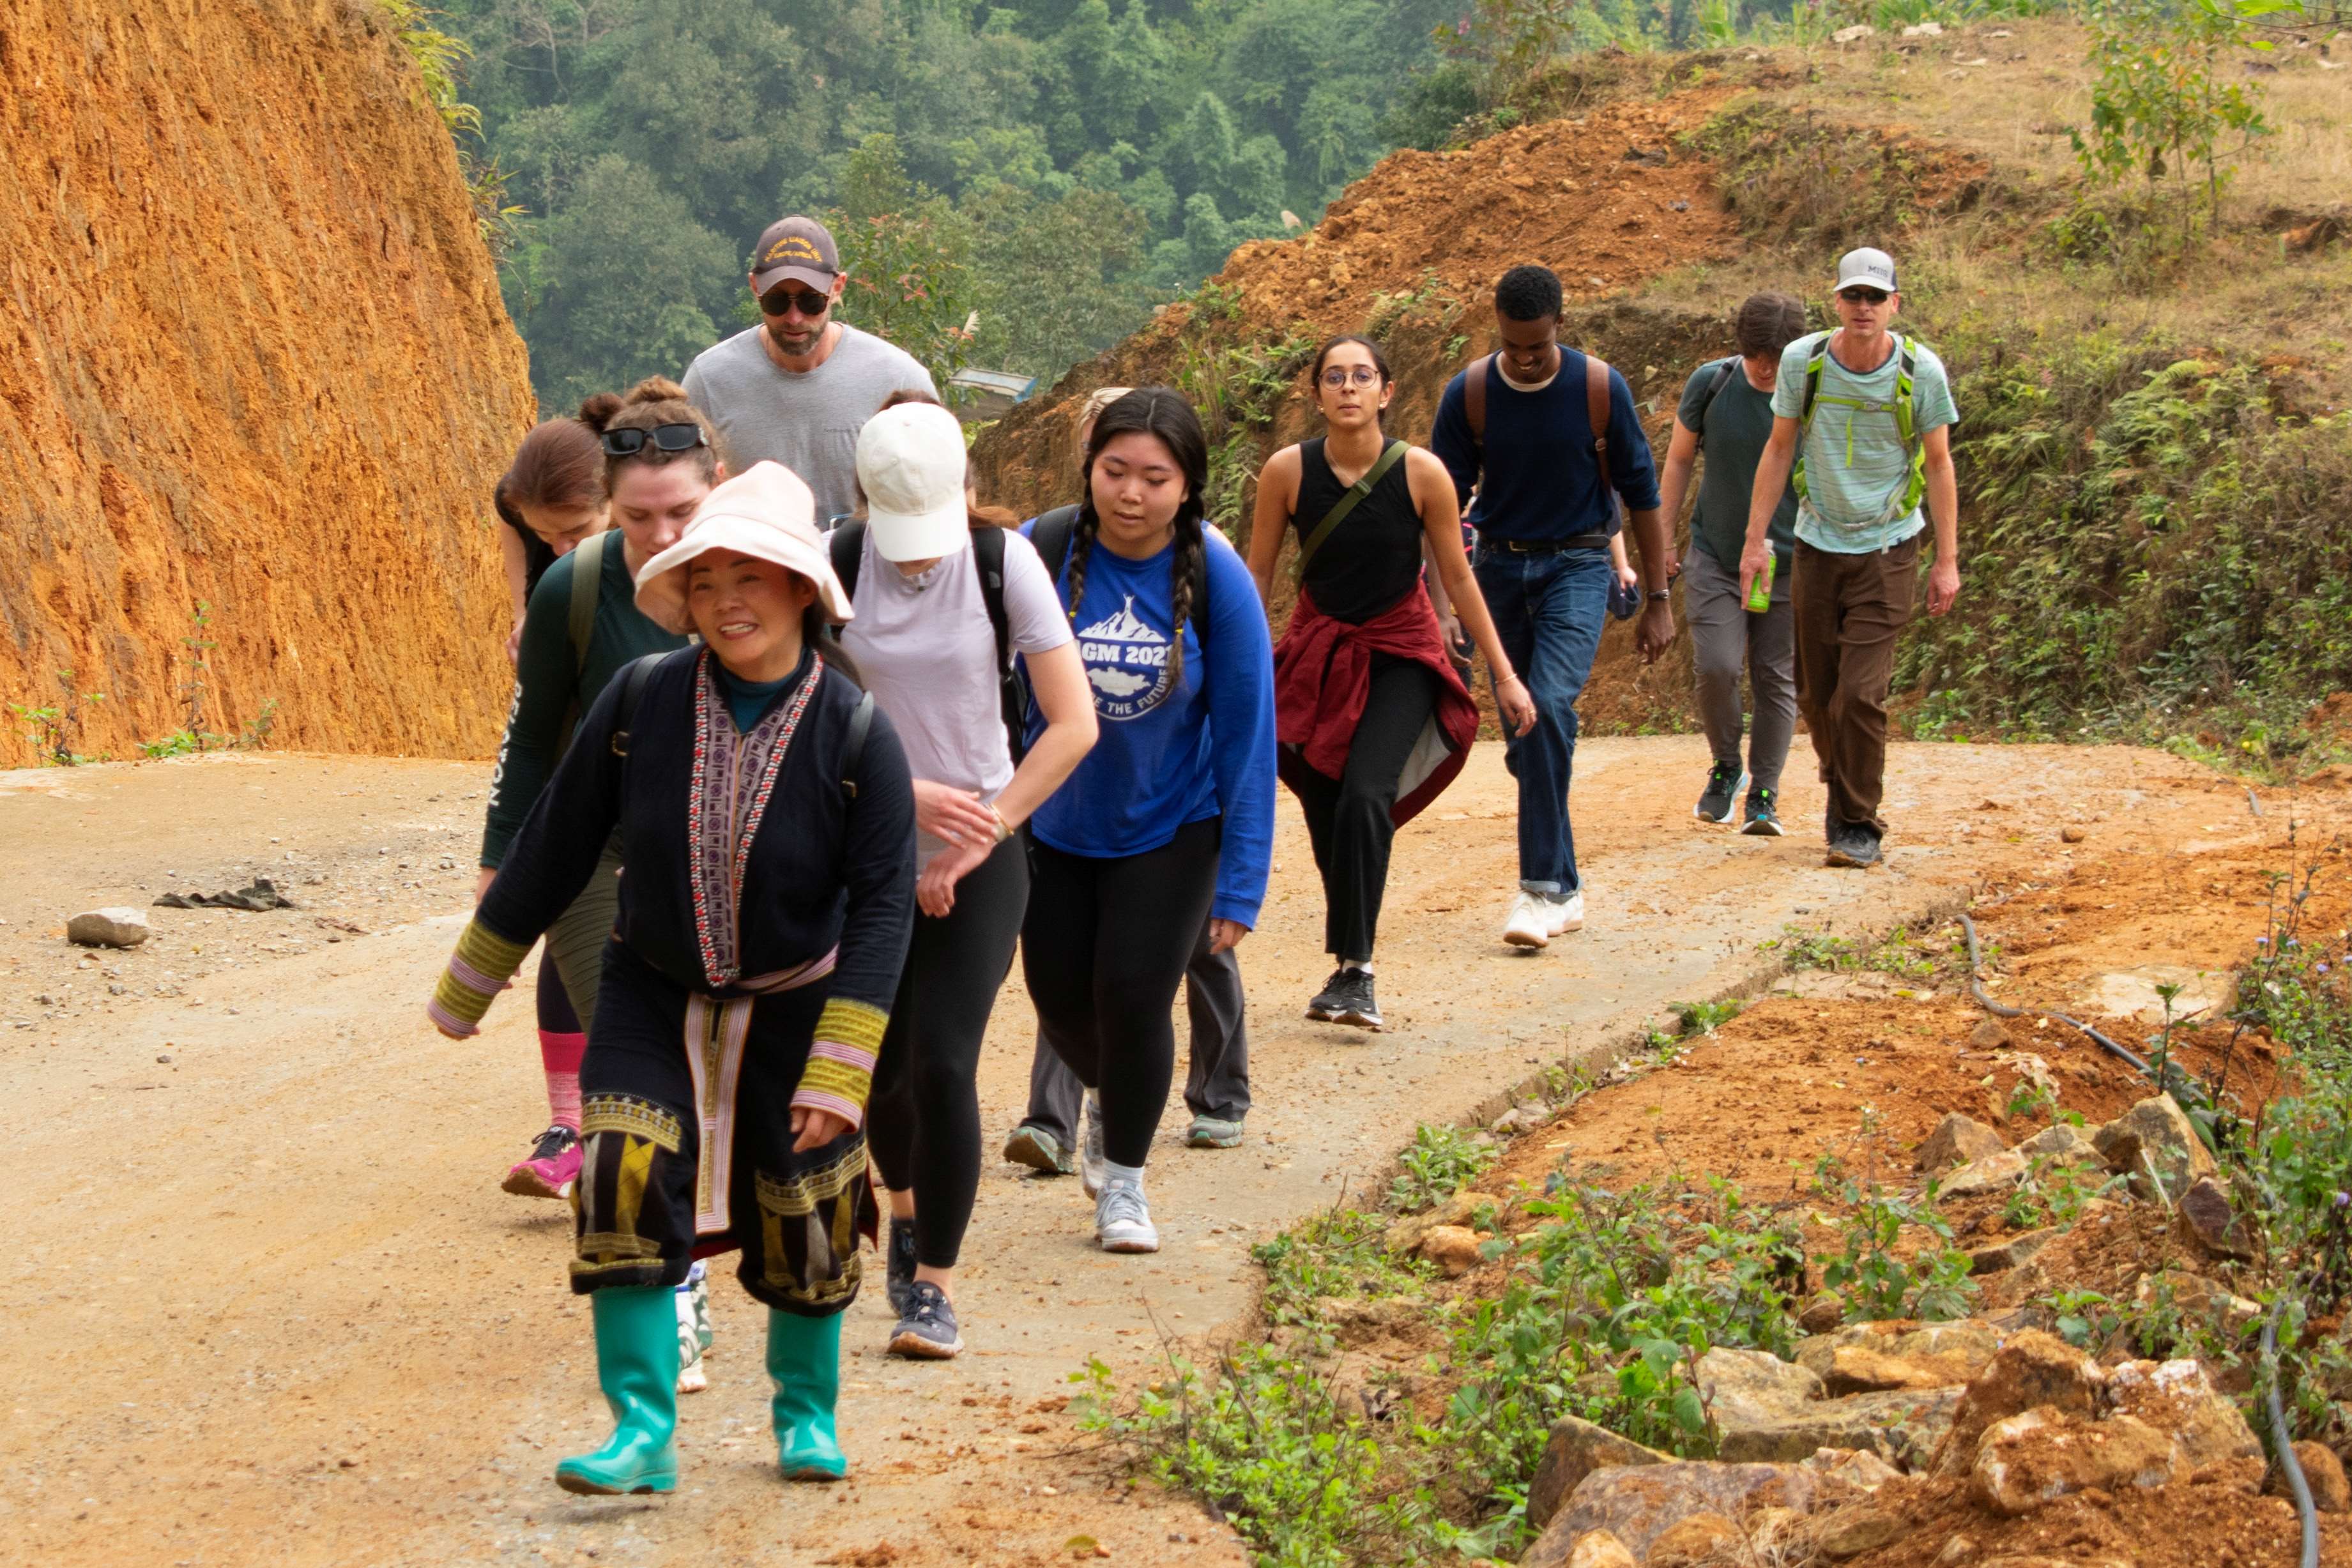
(1565, 915)
(1123, 1220)
(1531, 923)
(1091, 1158)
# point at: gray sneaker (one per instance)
(1091, 1158)
(1715, 801)
(927, 1328)
(1213, 1133)
(1039, 1150)
(1853, 844)
(1123, 1220)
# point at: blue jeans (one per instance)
(1548, 610)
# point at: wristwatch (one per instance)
(1658, 593)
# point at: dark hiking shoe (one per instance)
(1358, 1009)
(1764, 814)
(899, 1273)
(1039, 1150)
(926, 1325)
(1853, 844)
(1723, 782)
(1331, 1000)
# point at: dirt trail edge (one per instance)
(270, 1306)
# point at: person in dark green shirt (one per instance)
(576, 635)
(1727, 413)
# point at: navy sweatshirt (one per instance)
(1540, 481)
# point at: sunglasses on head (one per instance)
(1339, 376)
(1862, 296)
(777, 300)
(664, 438)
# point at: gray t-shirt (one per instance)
(928, 656)
(1856, 468)
(1732, 433)
(807, 422)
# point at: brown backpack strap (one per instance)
(1473, 397)
(1596, 409)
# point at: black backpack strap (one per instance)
(632, 678)
(1052, 536)
(1723, 374)
(852, 750)
(987, 554)
(848, 545)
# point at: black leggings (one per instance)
(923, 1121)
(1103, 947)
(1348, 818)
(555, 1013)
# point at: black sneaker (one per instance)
(1764, 814)
(1853, 844)
(926, 1325)
(1328, 1002)
(898, 1270)
(1723, 782)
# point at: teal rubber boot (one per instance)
(805, 1358)
(636, 1366)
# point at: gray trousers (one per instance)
(576, 940)
(1724, 635)
(1217, 1083)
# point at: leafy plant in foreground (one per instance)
(1442, 1160)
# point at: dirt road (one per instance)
(270, 1306)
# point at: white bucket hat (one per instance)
(765, 512)
(910, 464)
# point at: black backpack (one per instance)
(848, 544)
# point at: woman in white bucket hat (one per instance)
(945, 600)
(768, 827)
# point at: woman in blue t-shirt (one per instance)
(1169, 819)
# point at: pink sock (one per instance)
(560, 1055)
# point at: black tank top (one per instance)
(1373, 558)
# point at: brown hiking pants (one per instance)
(1849, 610)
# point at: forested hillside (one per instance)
(1059, 163)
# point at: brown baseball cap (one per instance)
(796, 248)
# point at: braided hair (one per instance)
(1160, 412)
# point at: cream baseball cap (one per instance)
(910, 464)
(765, 512)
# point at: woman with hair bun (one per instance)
(1375, 721)
(550, 497)
(1169, 819)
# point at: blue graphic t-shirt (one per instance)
(1176, 752)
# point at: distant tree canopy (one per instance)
(1055, 165)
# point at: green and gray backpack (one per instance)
(1902, 406)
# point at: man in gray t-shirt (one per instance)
(798, 388)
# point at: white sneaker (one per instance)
(1565, 915)
(693, 1299)
(1091, 1158)
(1530, 921)
(1123, 1220)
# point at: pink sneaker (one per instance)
(554, 1165)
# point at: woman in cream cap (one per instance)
(767, 826)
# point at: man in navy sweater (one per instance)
(1544, 517)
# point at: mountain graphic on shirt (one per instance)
(1124, 627)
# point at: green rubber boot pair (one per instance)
(805, 1358)
(637, 1366)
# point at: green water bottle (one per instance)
(1759, 592)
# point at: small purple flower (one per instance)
(2323, 969)
(2344, 1199)
(2262, 941)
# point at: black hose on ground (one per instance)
(2298, 1484)
(2291, 1467)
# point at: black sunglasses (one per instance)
(776, 301)
(1862, 296)
(664, 437)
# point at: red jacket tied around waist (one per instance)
(1323, 675)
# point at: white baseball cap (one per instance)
(910, 464)
(1871, 268)
(765, 512)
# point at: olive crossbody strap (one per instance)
(1389, 457)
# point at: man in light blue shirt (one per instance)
(1869, 414)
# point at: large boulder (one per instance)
(1639, 1503)
(1749, 1387)
(1404, 1235)
(2029, 1459)
(2064, 1143)
(2154, 1133)
(2177, 1398)
(2208, 1221)
(1956, 1140)
(1861, 1369)
(1902, 1427)
(1576, 1448)
(1971, 1341)
(1703, 1538)
(1599, 1549)
(1993, 1173)
(1856, 1467)
(1453, 1247)
(2032, 1370)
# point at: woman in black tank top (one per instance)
(1367, 675)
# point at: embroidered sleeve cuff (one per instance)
(840, 1071)
(479, 970)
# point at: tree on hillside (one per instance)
(907, 256)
